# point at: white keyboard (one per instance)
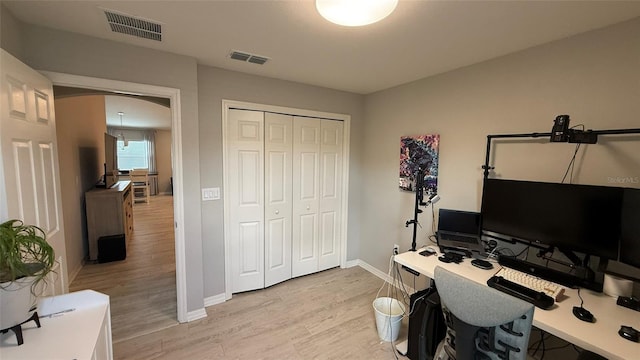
(532, 282)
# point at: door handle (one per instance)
(277, 212)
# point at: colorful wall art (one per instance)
(419, 152)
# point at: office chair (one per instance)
(140, 183)
(482, 322)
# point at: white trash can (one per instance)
(389, 314)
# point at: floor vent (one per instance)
(130, 25)
(243, 56)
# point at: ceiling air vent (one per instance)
(130, 25)
(244, 56)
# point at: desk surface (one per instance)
(600, 337)
(74, 334)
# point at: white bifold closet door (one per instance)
(245, 135)
(278, 150)
(285, 177)
(317, 179)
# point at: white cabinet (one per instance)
(284, 176)
(80, 328)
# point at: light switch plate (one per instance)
(209, 194)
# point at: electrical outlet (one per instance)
(396, 249)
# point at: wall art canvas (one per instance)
(419, 152)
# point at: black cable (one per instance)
(580, 296)
(560, 347)
(523, 251)
(573, 158)
(538, 344)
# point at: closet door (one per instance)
(330, 211)
(278, 149)
(306, 159)
(246, 198)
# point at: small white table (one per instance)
(80, 328)
(600, 337)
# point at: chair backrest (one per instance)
(139, 176)
(485, 322)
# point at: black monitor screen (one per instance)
(581, 218)
(630, 237)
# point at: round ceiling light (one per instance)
(355, 12)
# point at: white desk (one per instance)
(600, 337)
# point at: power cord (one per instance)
(393, 287)
(573, 159)
(580, 296)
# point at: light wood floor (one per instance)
(328, 315)
(142, 288)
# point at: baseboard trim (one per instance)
(381, 275)
(351, 263)
(196, 314)
(363, 264)
(214, 300)
(75, 272)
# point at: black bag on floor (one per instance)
(426, 324)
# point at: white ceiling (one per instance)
(137, 113)
(421, 38)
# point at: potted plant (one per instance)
(25, 260)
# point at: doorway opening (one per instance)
(173, 95)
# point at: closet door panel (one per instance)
(246, 199)
(278, 197)
(306, 192)
(330, 199)
(249, 235)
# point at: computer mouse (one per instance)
(482, 264)
(629, 333)
(583, 314)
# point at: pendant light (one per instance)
(120, 135)
(355, 12)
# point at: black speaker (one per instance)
(112, 248)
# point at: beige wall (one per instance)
(214, 85)
(64, 52)
(593, 77)
(80, 128)
(163, 160)
(10, 33)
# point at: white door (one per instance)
(306, 159)
(246, 198)
(278, 148)
(330, 214)
(29, 175)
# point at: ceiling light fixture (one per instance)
(120, 135)
(355, 12)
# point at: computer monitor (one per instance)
(630, 228)
(571, 217)
(459, 230)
